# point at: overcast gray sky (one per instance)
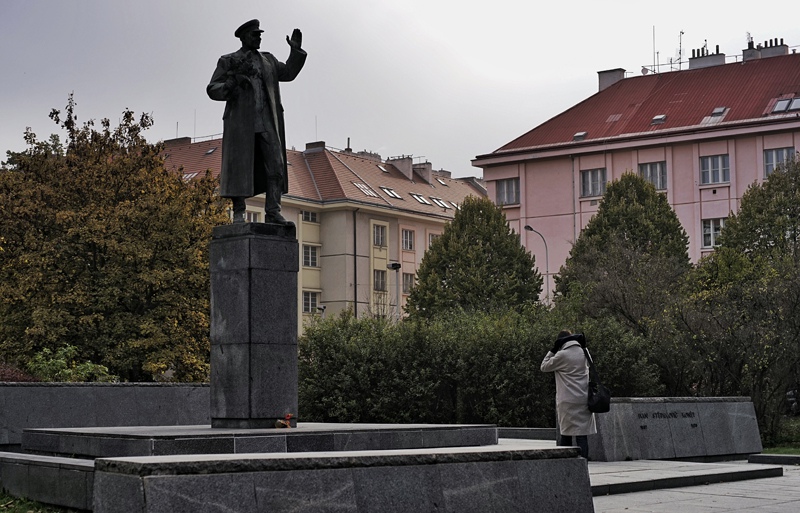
(443, 80)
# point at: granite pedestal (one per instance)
(500, 479)
(253, 325)
(306, 437)
(688, 428)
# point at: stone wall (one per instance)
(659, 428)
(65, 405)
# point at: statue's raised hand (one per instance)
(297, 39)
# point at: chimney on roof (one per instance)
(424, 170)
(771, 48)
(403, 164)
(177, 142)
(752, 52)
(314, 147)
(610, 77)
(774, 48)
(702, 59)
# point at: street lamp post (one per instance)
(395, 266)
(546, 262)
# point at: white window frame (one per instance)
(379, 280)
(775, 157)
(310, 217)
(593, 182)
(432, 237)
(310, 255)
(711, 231)
(715, 169)
(379, 235)
(420, 198)
(366, 189)
(252, 217)
(391, 193)
(407, 236)
(655, 173)
(310, 301)
(440, 202)
(507, 191)
(408, 282)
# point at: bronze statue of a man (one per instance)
(253, 142)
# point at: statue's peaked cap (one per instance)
(250, 26)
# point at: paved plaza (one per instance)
(683, 487)
(764, 495)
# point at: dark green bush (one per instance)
(458, 367)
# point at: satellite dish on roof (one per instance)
(645, 71)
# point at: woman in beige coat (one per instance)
(567, 361)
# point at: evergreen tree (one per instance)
(738, 323)
(767, 224)
(104, 250)
(476, 264)
(630, 255)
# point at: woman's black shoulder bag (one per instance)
(599, 394)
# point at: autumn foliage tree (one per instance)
(478, 263)
(104, 250)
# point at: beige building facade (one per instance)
(363, 223)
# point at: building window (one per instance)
(655, 173)
(310, 301)
(432, 238)
(420, 198)
(776, 157)
(507, 191)
(310, 217)
(593, 182)
(440, 202)
(252, 217)
(379, 235)
(379, 280)
(711, 231)
(408, 240)
(391, 192)
(715, 169)
(365, 189)
(408, 282)
(310, 256)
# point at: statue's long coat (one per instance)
(238, 177)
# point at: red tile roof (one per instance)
(626, 109)
(322, 175)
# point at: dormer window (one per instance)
(795, 105)
(719, 111)
(365, 189)
(579, 136)
(391, 192)
(658, 120)
(781, 105)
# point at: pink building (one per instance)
(701, 136)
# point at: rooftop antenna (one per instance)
(655, 70)
(680, 50)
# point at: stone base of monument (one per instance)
(307, 436)
(495, 478)
(314, 467)
(666, 428)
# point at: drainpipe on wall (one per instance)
(574, 205)
(355, 267)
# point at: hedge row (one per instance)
(457, 368)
